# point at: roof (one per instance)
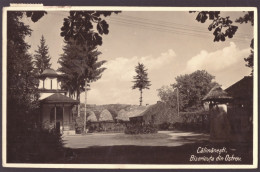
(160, 108)
(124, 115)
(105, 115)
(217, 94)
(242, 89)
(92, 117)
(49, 73)
(59, 98)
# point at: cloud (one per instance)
(123, 69)
(115, 86)
(218, 60)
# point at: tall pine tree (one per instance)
(79, 64)
(42, 58)
(141, 80)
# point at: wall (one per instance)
(49, 83)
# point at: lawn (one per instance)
(161, 148)
(166, 138)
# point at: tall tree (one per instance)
(141, 80)
(192, 88)
(223, 28)
(21, 83)
(81, 41)
(79, 64)
(42, 58)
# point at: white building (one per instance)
(56, 108)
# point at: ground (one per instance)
(165, 147)
(163, 138)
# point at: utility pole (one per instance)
(178, 101)
(85, 115)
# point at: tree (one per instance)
(21, 84)
(250, 58)
(79, 64)
(222, 28)
(82, 39)
(141, 80)
(42, 58)
(79, 26)
(168, 95)
(192, 88)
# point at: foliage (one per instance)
(248, 17)
(223, 28)
(79, 26)
(141, 80)
(21, 82)
(192, 88)
(250, 58)
(168, 95)
(42, 58)
(164, 126)
(25, 143)
(79, 64)
(35, 145)
(35, 15)
(192, 121)
(138, 128)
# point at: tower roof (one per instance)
(49, 73)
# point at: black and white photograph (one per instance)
(129, 87)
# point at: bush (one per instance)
(141, 129)
(164, 126)
(35, 146)
(79, 129)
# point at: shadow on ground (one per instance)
(129, 154)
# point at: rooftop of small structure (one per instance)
(59, 98)
(49, 73)
(217, 94)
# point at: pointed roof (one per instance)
(217, 94)
(59, 98)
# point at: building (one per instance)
(220, 127)
(241, 108)
(55, 106)
(157, 114)
(231, 111)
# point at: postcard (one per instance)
(130, 87)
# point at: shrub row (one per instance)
(141, 129)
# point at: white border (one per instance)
(129, 166)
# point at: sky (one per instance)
(168, 43)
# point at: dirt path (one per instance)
(163, 138)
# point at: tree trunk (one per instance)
(141, 98)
